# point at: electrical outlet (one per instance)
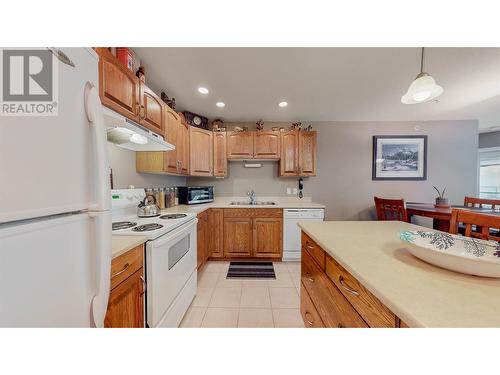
(295, 191)
(289, 191)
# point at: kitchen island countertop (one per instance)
(421, 294)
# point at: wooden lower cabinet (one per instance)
(337, 298)
(126, 299)
(216, 233)
(253, 233)
(267, 237)
(238, 237)
(202, 239)
(310, 315)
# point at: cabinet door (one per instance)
(267, 238)
(151, 111)
(307, 153)
(238, 237)
(266, 145)
(220, 156)
(118, 86)
(201, 240)
(183, 150)
(215, 232)
(240, 145)
(172, 125)
(289, 162)
(201, 151)
(126, 303)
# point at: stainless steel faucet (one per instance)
(251, 195)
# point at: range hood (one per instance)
(128, 134)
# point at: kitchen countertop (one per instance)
(121, 244)
(224, 202)
(421, 294)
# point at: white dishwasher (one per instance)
(291, 232)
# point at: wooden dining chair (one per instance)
(488, 226)
(494, 204)
(390, 209)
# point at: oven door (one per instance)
(170, 262)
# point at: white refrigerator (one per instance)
(55, 221)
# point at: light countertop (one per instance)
(121, 244)
(421, 294)
(224, 202)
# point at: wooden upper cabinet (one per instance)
(240, 145)
(267, 237)
(307, 153)
(289, 162)
(201, 152)
(220, 156)
(266, 145)
(183, 148)
(118, 86)
(238, 236)
(151, 112)
(172, 123)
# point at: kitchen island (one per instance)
(382, 279)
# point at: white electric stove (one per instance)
(170, 257)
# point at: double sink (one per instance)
(254, 203)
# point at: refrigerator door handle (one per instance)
(99, 305)
(101, 182)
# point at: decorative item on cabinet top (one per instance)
(166, 99)
(196, 120)
(218, 126)
(259, 125)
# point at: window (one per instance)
(489, 173)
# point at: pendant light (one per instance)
(423, 88)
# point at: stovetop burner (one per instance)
(122, 225)
(147, 227)
(172, 216)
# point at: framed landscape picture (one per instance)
(399, 157)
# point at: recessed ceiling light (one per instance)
(282, 104)
(220, 104)
(203, 90)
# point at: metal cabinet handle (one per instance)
(311, 323)
(127, 265)
(346, 287)
(308, 278)
(309, 246)
(144, 285)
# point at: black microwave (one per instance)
(195, 194)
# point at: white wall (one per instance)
(343, 182)
(124, 173)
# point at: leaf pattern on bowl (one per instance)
(441, 240)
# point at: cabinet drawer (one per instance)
(331, 305)
(308, 311)
(316, 252)
(253, 212)
(374, 312)
(125, 265)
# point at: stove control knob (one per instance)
(129, 196)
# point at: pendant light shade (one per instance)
(423, 89)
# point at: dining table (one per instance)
(441, 216)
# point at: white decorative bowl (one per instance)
(457, 253)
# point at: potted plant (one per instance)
(441, 201)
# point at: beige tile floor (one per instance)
(257, 303)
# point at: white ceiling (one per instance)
(327, 84)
